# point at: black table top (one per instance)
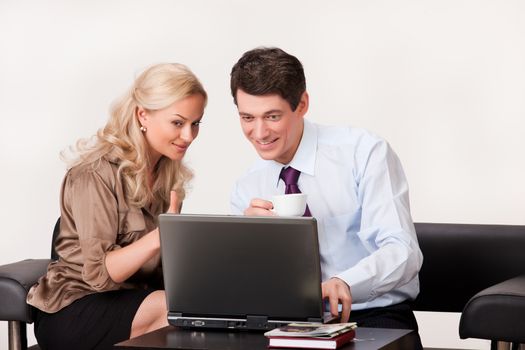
(176, 338)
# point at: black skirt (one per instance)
(96, 321)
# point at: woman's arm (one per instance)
(122, 263)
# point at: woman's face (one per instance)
(171, 130)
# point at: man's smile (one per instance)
(265, 142)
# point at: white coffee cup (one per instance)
(293, 204)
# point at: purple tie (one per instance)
(290, 176)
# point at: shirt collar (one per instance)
(304, 158)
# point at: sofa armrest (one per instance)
(496, 313)
(15, 281)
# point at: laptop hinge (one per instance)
(256, 322)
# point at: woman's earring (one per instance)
(143, 129)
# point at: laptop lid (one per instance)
(239, 271)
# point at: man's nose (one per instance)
(260, 130)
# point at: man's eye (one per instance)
(247, 118)
(273, 117)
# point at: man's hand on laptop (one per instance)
(259, 207)
(336, 290)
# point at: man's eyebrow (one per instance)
(271, 111)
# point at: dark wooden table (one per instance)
(176, 338)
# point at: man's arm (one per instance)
(387, 231)
(255, 206)
(237, 201)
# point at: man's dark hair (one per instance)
(264, 71)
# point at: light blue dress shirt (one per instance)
(358, 193)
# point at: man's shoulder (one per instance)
(346, 135)
(251, 184)
(258, 168)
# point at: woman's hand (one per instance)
(175, 204)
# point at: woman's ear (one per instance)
(141, 115)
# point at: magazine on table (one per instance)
(316, 330)
(312, 335)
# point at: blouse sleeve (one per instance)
(94, 213)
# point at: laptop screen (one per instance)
(238, 266)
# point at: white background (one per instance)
(443, 81)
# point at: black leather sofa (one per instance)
(15, 281)
(478, 270)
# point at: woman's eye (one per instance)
(178, 123)
(197, 123)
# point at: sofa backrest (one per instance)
(56, 231)
(462, 259)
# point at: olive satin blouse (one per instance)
(96, 217)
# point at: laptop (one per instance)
(240, 272)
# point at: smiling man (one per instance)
(356, 190)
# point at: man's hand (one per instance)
(336, 290)
(259, 207)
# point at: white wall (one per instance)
(442, 80)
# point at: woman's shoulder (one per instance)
(103, 169)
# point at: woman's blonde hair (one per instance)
(156, 88)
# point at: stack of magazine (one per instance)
(312, 335)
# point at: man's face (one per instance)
(269, 123)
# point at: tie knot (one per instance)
(290, 176)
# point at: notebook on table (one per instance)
(240, 272)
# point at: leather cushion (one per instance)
(496, 313)
(15, 281)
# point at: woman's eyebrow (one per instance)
(187, 118)
(178, 115)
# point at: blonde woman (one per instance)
(107, 284)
